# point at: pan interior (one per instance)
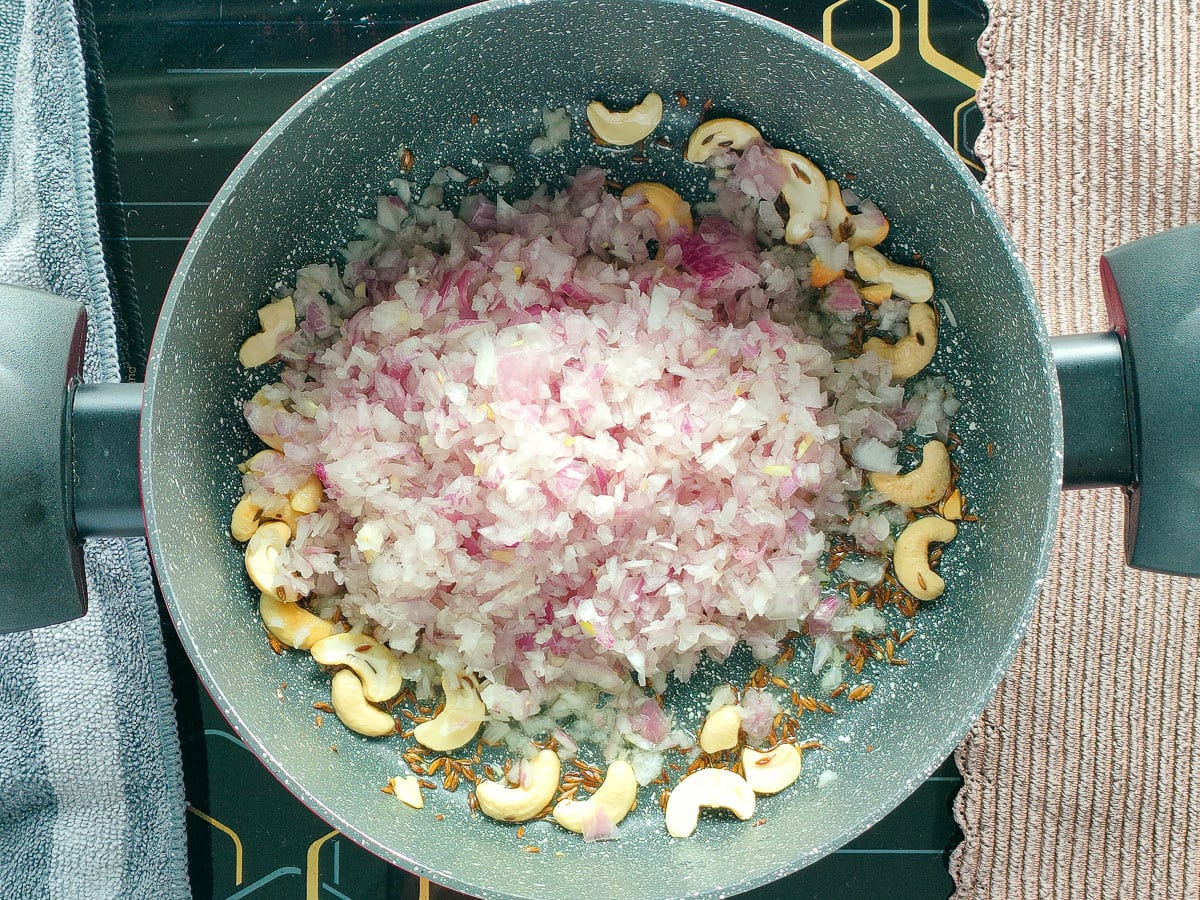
(294, 200)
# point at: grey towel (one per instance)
(91, 787)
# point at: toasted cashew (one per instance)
(719, 136)
(952, 506)
(278, 320)
(244, 521)
(538, 780)
(720, 729)
(876, 293)
(258, 460)
(262, 555)
(911, 353)
(272, 440)
(863, 232)
(923, 485)
(613, 800)
(911, 556)
(346, 694)
(291, 623)
(671, 210)
(714, 788)
(624, 128)
(806, 193)
(838, 215)
(306, 498)
(908, 282)
(378, 669)
(458, 721)
(772, 771)
(408, 791)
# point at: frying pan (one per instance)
(76, 470)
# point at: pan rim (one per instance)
(970, 709)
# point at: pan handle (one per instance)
(68, 459)
(1131, 398)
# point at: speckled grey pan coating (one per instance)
(294, 199)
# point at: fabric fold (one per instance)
(1079, 779)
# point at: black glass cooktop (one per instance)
(191, 84)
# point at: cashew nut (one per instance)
(720, 729)
(272, 440)
(256, 462)
(911, 353)
(244, 521)
(952, 506)
(624, 128)
(923, 485)
(374, 663)
(262, 555)
(876, 293)
(408, 791)
(346, 694)
(306, 498)
(291, 623)
(806, 193)
(906, 281)
(714, 788)
(911, 556)
(613, 799)
(671, 210)
(862, 234)
(772, 771)
(278, 320)
(719, 136)
(838, 215)
(458, 721)
(538, 780)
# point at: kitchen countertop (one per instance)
(191, 84)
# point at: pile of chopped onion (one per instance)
(570, 468)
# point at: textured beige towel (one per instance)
(1080, 777)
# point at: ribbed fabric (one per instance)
(1080, 780)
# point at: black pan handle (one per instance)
(68, 459)
(1131, 398)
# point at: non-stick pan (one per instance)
(294, 200)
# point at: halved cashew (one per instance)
(952, 506)
(458, 721)
(291, 623)
(720, 729)
(911, 556)
(407, 790)
(714, 788)
(346, 694)
(867, 231)
(876, 293)
(374, 663)
(613, 800)
(272, 440)
(278, 320)
(624, 128)
(538, 780)
(671, 210)
(719, 136)
(908, 282)
(262, 555)
(258, 460)
(911, 353)
(807, 195)
(772, 771)
(922, 486)
(244, 521)
(306, 498)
